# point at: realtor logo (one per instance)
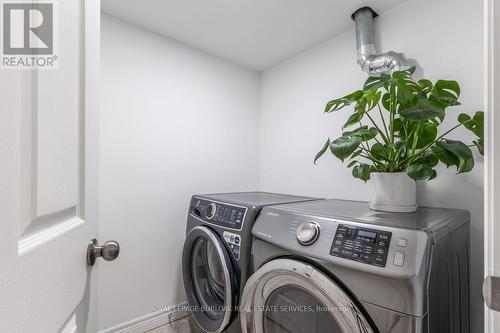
(28, 34)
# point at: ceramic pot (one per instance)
(393, 192)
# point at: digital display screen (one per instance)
(367, 235)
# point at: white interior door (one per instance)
(48, 184)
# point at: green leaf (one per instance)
(354, 119)
(463, 159)
(425, 86)
(463, 118)
(345, 146)
(430, 160)
(355, 154)
(361, 171)
(419, 171)
(386, 101)
(396, 125)
(378, 152)
(435, 122)
(480, 145)
(406, 74)
(400, 148)
(376, 82)
(411, 70)
(355, 131)
(322, 151)
(446, 157)
(474, 124)
(448, 90)
(445, 93)
(367, 102)
(421, 111)
(406, 90)
(427, 135)
(373, 132)
(420, 114)
(339, 103)
(364, 132)
(442, 103)
(370, 99)
(378, 149)
(352, 163)
(478, 129)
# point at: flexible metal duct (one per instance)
(368, 60)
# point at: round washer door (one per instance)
(287, 295)
(208, 279)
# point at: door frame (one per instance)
(492, 141)
(87, 315)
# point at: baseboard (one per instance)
(149, 321)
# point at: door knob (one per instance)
(108, 251)
(491, 292)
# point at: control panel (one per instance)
(223, 215)
(368, 246)
(234, 242)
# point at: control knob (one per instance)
(308, 233)
(210, 211)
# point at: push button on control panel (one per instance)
(399, 258)
(359, 244)
(382, 243)
(385, 236)
(402, 242)
(379, 261)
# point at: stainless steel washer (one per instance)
(337, 266)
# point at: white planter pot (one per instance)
(393, 192)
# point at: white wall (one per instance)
(446, 38)
(175, 122)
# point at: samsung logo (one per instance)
(272, 214)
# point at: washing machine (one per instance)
(216, 254)
(337, 266)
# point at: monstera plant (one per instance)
(394, 128)
(392, 135)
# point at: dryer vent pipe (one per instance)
(368, 59)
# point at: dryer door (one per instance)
(290, 296)
(208, 279)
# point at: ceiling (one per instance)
(256, 34)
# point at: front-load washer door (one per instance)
(290, 296)
(208, 279)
